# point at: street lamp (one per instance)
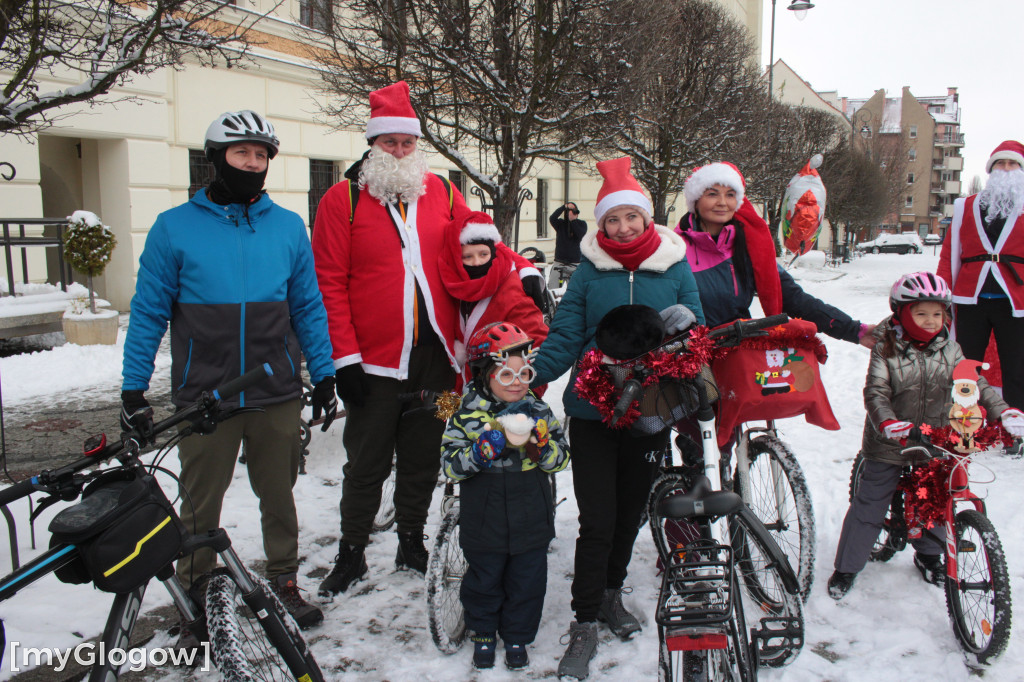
(799, 9)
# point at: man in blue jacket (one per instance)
(233, 274)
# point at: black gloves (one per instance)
(533, 285)
(137, 415)
(352, 387)
(324, 402)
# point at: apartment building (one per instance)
(927, 131)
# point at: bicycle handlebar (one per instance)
(53, 481)
(426, 395)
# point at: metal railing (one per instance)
(14, 237)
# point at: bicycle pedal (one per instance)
(777, 635)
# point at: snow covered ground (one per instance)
(892, 626)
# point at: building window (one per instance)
(913, 132)
(542, 209)
(323, 174)
(458, 180)
(200, 171)
(316, 14)
(909, 202)
(910, 178)
(913, 154)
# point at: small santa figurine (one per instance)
(966, 416)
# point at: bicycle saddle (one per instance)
(700, 500)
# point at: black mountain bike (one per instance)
(125, 532)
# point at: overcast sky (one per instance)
(858, 46)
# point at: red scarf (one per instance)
(761, 250)
(458, 283)
(915, 333)
(631, 254)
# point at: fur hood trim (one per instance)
(671, 250)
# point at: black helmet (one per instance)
(629, 331)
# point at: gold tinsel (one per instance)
(447, 403)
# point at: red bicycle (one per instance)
(977, 581)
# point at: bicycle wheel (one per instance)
(444, 579)
(246, 648)
(731, 664)
(779, 496)
(670, 536)
(979, 599)
(774, 603)
(385, 517)
(892, 537)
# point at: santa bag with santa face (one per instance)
(773, 377)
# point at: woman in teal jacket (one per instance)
(628, 260)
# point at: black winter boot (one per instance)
(349, 566)
(287, 590)
(839, 584)
(932, 567)
(411, 552)
(483, 650)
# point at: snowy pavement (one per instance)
(892, 626)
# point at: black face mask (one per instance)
(233, 185)
(478, 271)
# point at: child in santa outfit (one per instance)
(481, 273)
(912, 369)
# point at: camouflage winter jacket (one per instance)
(506, 507)
(914, 385)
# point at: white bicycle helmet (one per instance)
(232, 127)
(917, 287)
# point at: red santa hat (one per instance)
(1010, 149)
(620, 188)
(966, 371)
(718, 173)
(391, 112)
(476, 228)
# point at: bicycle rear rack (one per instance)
(697, 591)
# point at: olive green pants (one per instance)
(272, 450)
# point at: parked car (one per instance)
(892, 243)
(932, 239)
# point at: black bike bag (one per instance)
(125, 529)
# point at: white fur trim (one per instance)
(1003, 154)
(479, 232)
(712, 174)
(671, 250)
(624, 197)
(382, 125)
(529, 272)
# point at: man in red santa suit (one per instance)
(983, 261)
(376, 242)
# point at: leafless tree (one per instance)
(976, 185)
(693, 92)
(498, 84)
(55, 52)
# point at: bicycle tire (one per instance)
(892, 537)
(385, 518)
(771, 584)
(447, 566)
(246, 649)
(978, 600)
(773, 470)
(670, 536)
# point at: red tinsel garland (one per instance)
(786, 337)
(595, 385)
(986, 438)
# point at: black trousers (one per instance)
(504, 593)
(612, 474)
(976, 323)
(380, 431)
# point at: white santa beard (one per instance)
(388, 179)
(1003, 196)
(966, 400)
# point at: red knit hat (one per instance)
(391, 112)
(718, 173)
(620, 188)
(1010, 149)
(966, 371)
